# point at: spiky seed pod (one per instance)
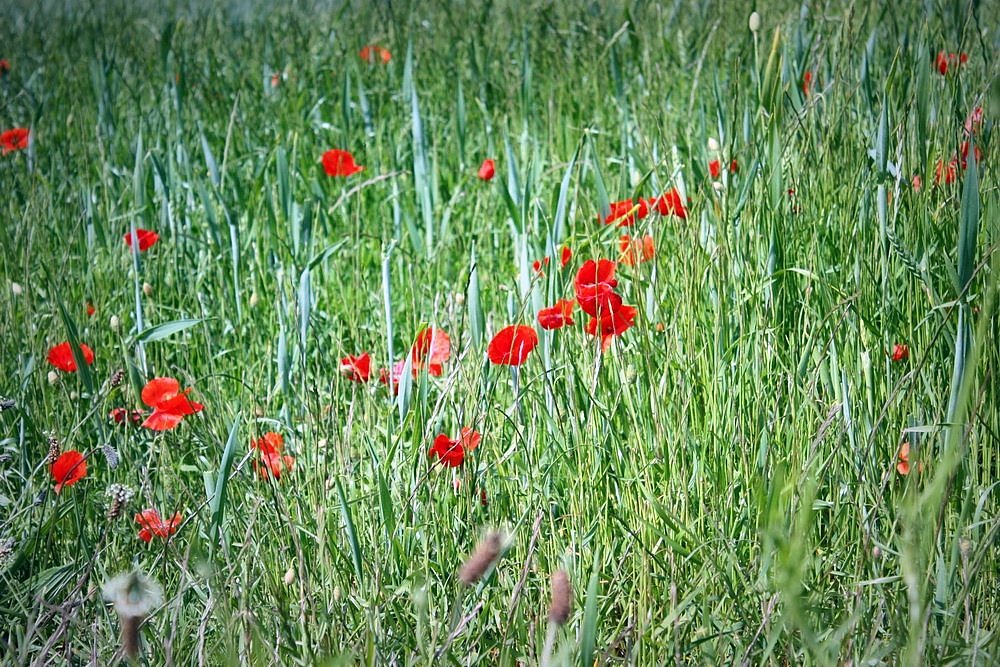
(116, 378)
(110, 455)
(562, 597)
(481, 559)
(53, 450)
(119, 496)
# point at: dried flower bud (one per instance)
(119, 495)
(16, 289)
(53, 450)
(481, 559)
(53, 377)
(6, 552)
(289, 577)
(754, 22)
(562, 597)
(115, 323)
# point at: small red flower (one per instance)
(4, 66)
(669, 203)
(538, 264)
(68, 469)
(612, 323)
(150, 524)
(451, 453)
(61, 356)
(557, 316)
(15, 139)
(625, 212)
(371, 52)
(512, 345)
(147, 238)
(170, 405)
(90, 309)
(900, 352)
(917, 182)
(714, 168)
(565, 254)
(340, 163)
(431, 347)
(487, 170)
(275, 79)
(903, 459)
(636, 250)
(946, 174)
(734, 166)
(807, 80)
(272, 462)
(125, 416)
(944, 61)
(594, 286)
(358, 369)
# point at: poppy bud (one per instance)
(754, 22)
(289, 576)
(876, 553)
(713, 145)
(115, 323)
(147, 289)
(16, 289)
(53, 377)
(718, 186)
(254, 299)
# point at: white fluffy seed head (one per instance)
(754, 22)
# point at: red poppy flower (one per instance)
(594, 286)
(539, 263)
(714, 168)
(512, 345)
(90, 309)
(170, 405)
(431, 347)
(337, 162)
(945, 60)
(900, 352)
(807, 80)
(272, 462)
(147, 238)
(669, 203)
(68, 469)
(625, 212)
(557, 316)
(487, 170)
(965, 155)
(4, 66)
(612, 323)
(14, 139)
(61, 356)
(125, 416)
(358, 369)
(371, 52)
(451, 453)
(150, 524)
(565, 254)
(636, 250)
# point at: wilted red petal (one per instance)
(512, 345)
(557, 316)
(340, 163)
(68, 469)
(487, 170)
(61, 356)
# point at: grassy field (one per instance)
(792, 456)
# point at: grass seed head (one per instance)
(562, 597)
(481, 559)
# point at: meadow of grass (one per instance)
(723, 485)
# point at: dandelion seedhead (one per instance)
(481, 559)
(134, 596)
(562, 597)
